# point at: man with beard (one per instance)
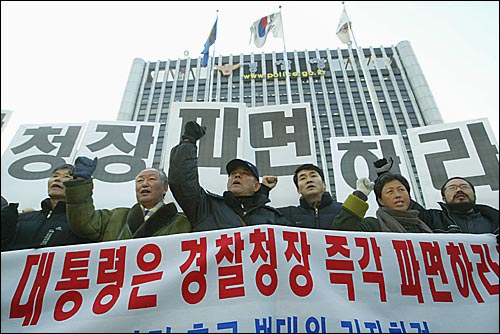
(460, 213)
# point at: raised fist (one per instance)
(364, 185)
(193, 131)
(84, 167)
(383, 165)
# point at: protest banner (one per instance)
(262, 278)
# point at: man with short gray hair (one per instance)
(150, 216)
(47, 227)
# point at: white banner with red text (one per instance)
(257, 279)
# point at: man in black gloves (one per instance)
(150, 216)
(240, 205)
(47, 227)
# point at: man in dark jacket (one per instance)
(239, 206)
(316, 208)
(150, 216)
(47, 227)
(460, 213)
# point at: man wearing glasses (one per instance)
(460, 213)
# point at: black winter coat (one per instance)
(305, 215)
(207, 211)
(36, 229)
(440, 221)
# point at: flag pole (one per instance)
(212, 63)
(287, 70)
(376, 105)
(368, 79)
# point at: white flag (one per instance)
(261, 28)
(343, 28)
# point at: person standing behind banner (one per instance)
(383, 166)
(393, 215)
(239, 206)
(459, 213)
(316, 208)
(150, 216)
(47, 227)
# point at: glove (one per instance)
(193, 131)
(364, 185)
(84, 167)
(382, 166)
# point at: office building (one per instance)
(379, 92)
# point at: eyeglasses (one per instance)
(455, 187)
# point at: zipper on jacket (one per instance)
(244, 213)
(243, 210)
(48, 235)
(316, 217)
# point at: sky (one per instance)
(69, 61)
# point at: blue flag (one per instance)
(210, 40)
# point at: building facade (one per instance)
(379, 91)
